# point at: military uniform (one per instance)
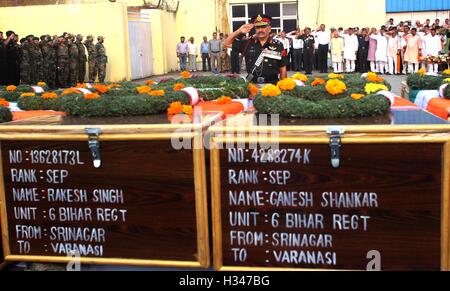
(24, 50)
(62, 54)
(74, 63)
(92, 60)
(37, 74)
(308, 53)
(263, 61)
(81, 61)
(102, 60)
(50, 63)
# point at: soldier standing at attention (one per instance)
(51, 61)
(62, 54)
(74, 61)
(24, 49)
(92, 57)
(81, 59)
(102, 59)
(45, 56)
(265, 57)
(308, 51)
(37, 74)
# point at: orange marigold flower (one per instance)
(175, 108)
(335, 87)
(270, 91)
(300, 77)
(253, 90)
(357, 96)
(28, 94)
(92, 96)
(287, 84)
(143, 89)
(317, 82)
(81, 85)
(100, 88)
(41, 84)
(150, 82)
(70, 91)
(224, 100)
(178, 86)
(11, 88)
(374, 78)
(157, 93)
(4, 103)
(335, 76)
(185, 75)
(49, 95)
(112, 86)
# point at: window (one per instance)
(284, 14)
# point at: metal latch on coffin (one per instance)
(94, 145)
(335, 145)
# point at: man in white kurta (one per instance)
(413, 48)
(432, 46)
(350, 49)
(381, 54)
(393, 49)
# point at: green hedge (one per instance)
(5, 114)
(290, 106)
(424, 82)
(13, 96)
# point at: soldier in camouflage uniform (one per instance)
(92, 57)
(81, 58)
(45, 52)
(62, 56)
(37, 74)
(74, 61)
(24, 50)
(102, 59)
(50, 61)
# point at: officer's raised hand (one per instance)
(246, 28)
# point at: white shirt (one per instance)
(285, 42)
(351, 45)
(297, 43)
(192, 48)
(322, 37)
(382, 47)
(432, 45)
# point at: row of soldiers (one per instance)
(61, 61)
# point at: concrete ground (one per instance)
(395, 81)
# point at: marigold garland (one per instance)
(70, 91)
(81, 85)
(100, 88)
(143, 89)
(421, 72)
(447, 80)
(374, 78)
(178, 86)
(28, 95)
(185, 75)
(446, 72)
(49, 95)
(270, 91)
(92, 96)
(224, 100)
(156, 93)
(357, 96)
(150, 82)
(335, 76)
(11, 88)
(374, 87)
(300, 77)
(287, 84)
(187, 109)
(335, 87)
(112, 86)
(4, 103)
(317, 82)
(254, 90)
(41, 84)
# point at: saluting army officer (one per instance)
(265, 57)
